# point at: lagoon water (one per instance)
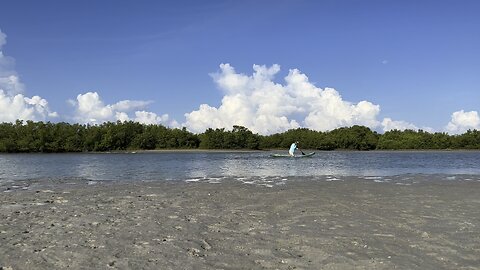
(215, 166)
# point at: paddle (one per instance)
(301, 151)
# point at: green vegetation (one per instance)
(64, 137)
(47, 137)
(409, 139)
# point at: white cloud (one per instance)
(266, 107)
(389, 124)
(9, 81)
(11, 84)
(13, 104)
(150, 118)
(23, 108)
(90, 108)
(122, 116)
(130, 105)
(462, 121)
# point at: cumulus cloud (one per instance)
(389, 124)
(9, 80)
(266, 107)
(89, 108)
(11, 84)
(13, 104)
(462, 121)
(23, 108)
(150, 118)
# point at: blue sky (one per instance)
(419, 61)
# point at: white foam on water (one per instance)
(193, 180)
(379, 181)
(249, 182)
(214, 181)
(372, 177)
(263, 181)
(333, 178)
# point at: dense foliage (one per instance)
(352, 138)
(64, 137)
(410, 139)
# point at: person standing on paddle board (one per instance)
(293, 147)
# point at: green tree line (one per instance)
(47, 137)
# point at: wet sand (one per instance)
(304, 224)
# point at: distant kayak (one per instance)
(296, 156)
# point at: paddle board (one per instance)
(296, 156)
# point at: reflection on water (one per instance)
(197, 165)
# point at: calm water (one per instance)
(198, 165)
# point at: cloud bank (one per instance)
(89, 108)
(266, 107)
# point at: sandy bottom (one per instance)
(350, 224)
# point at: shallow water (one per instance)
(249, 167)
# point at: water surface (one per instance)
(191, 166)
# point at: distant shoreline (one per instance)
(276, 150)
(189, 151)
(128, 136)
(283, 149)
(196, 150)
